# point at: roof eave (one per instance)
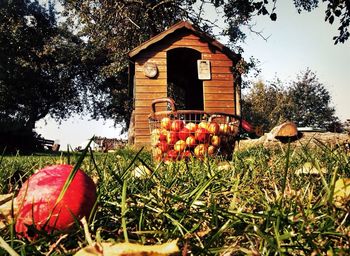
(184, 24)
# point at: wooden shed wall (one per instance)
(219, 95)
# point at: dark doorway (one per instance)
(183, 83)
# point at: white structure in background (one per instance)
(93, 145)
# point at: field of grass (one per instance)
(254, 204)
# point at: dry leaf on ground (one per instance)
(5, 209)
(129, 249)
(342, 192)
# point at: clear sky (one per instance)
(296, 42)
(301, 41)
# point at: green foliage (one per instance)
(311, 102)
(347, 125)
(306, 102)
(81, 63)
(252, 204)
(241, 12)
(266, 106)
(111, 30)
(39, 65)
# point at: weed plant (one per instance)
(252, 204)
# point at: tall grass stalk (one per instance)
(68, 182)
(7, 247)
(124, 209)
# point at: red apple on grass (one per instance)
(39, 205)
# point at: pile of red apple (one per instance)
(177, 139)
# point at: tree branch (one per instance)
(258, 33)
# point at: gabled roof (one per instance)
(184, 25)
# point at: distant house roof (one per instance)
(187, 26)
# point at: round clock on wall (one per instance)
(150, 69)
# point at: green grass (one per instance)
(253, 204)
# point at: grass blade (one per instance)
(7, 247)
(124, 209)
(69, 180)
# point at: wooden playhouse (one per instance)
(187, 65)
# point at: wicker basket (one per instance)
(181, 134)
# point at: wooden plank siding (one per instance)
(218, 93)
(147, 89)
(161, 75)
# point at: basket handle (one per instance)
(218, 115)
(163, 100)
